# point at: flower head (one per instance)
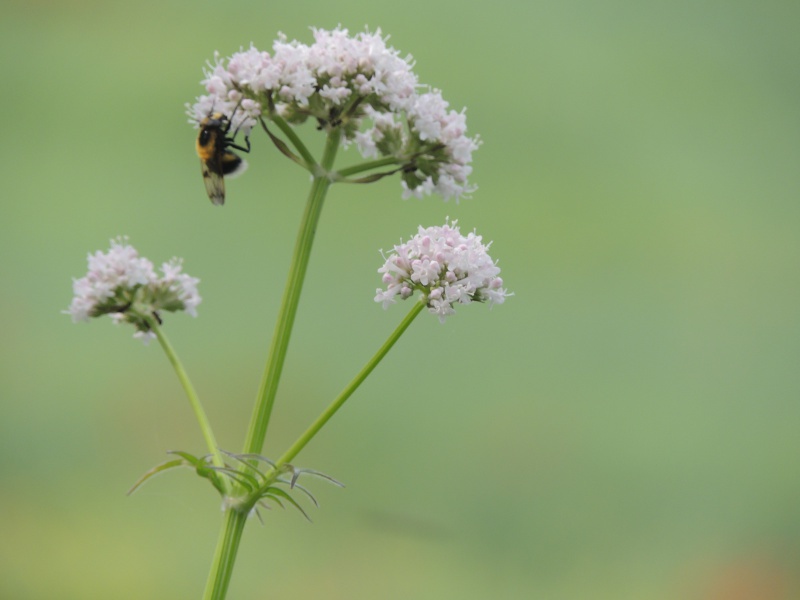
(447, 267)
(356, 83)
(125, 286)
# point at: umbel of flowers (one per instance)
(125, 286)
(356, 84)
(446, 267)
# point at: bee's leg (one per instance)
(230, 121)
(229, 144)
(229, 139)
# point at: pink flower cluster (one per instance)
(125, 286)
(359, 84)
(447, 267)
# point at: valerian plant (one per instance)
(356, 91)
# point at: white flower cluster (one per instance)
(356, 83)
(447, 267)
(125, 286)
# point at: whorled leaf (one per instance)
(274, 493)
(257, 486)
(200, 464)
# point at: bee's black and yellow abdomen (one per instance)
(231, 163)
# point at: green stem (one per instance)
(194, 400)
(289, 132)
(291, 298)
(373, 164)
(219, 577)
(301, 442)
(235, 517)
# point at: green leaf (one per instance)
(274, 491)
(307, 493)
(155, 471)
(245, 459)
(283, 147)
(372, 178)
(190, 458)
(248, 481)
(327, 478)
(273, 498)
(202, 468)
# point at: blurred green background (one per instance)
(624, 427)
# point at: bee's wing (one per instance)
(215, 183)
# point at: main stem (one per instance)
(291, 298)
(235, 517)
(283, 328)
(219, 578)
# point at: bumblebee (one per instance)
(216, 158)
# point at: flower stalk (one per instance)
(289, 132)
(236, 515)
(265, 399)
(332, 409)
(191, 394)
(367, 166)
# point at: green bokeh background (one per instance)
(624, 427)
